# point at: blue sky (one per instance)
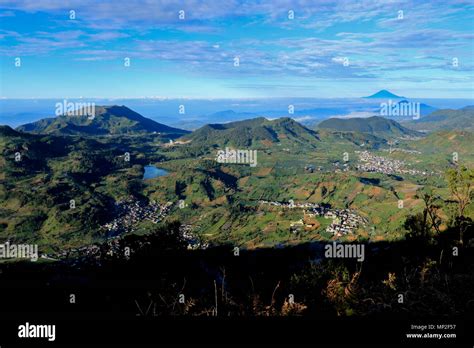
(329, 49)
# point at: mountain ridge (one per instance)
(252, 132)
(372, 125)
(108, 120)
(445, 119)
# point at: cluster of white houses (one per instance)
(398, 149)
(131, 211)
(379, 164)
(345, 221)
(193, 242)
(290, 204)
(339, 167)
(112, 244)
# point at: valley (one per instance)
(240, 172)
(125, 215)
(82, 190)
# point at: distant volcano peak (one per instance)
(384, 94)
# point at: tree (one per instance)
(422, 226)
(461, 183)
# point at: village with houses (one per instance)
(193, 242)
(131, 211)
(344, 221)
(378, 164)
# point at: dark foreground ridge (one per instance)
(161, 278)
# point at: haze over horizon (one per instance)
(327, 49)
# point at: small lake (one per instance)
(153, 172)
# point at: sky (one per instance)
(235, 49)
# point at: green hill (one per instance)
(254, 132)
(373, 125)
(108, 120)
(7, 131)
(447, 142)
(41, 174)
(329, 136)
(446, 119)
